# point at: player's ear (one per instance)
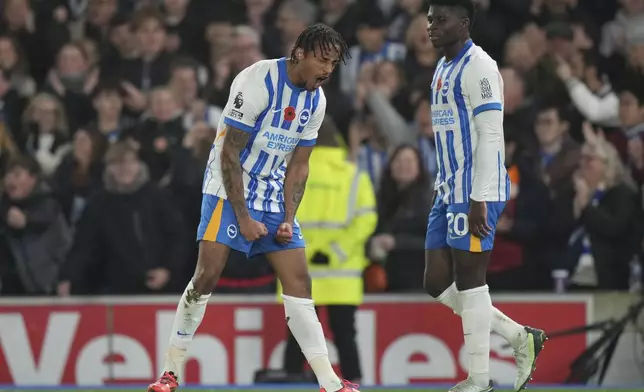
(299, 54)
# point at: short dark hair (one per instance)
(24, 162)
(184, 62)
(145, 14)
(466, 5)
(552, 104)
(108, 87)
(633, 83)
(119, 150)
(322, 36)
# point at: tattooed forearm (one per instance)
(231, 170)
(294, 187)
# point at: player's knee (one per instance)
(297, 285)
(432, 288)
(205, 279)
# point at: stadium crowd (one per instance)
(108, 110)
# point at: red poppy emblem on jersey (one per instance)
(289, 113)
(439, 85)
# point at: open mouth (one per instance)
(320, 80)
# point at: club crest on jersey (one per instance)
(305, 117)
(445, 88)
(289, 113)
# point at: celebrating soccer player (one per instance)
(470, 192)
(253, 185)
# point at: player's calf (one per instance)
(292, 270)
(438, 271)
(191, 310)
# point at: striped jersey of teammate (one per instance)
(279, 116)
(463, 88)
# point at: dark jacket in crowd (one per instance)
(122, 235)
(31, 257)
(610, 228)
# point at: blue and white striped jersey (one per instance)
(462, 89)
(279, 116)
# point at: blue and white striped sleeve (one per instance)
(483, 86)
(310, 134)
(249, 96)
(484, 89)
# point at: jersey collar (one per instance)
(281, 66)
(460, 54)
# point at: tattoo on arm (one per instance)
(231, 169)
(296, 189)
(295, 183)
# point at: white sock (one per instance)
(190, 312)
(307, 330)
(477, 319)
(510, 330)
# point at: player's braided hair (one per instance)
(324, 37)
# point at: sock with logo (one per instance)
(190, 312)
(509, 329)
(307, 330)
(477, 319)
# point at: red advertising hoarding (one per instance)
(123, 341)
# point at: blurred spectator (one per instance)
(553, 160)
(404, 201)
(372, 48)
(293, 17)
(34, 237)
(160, 133)
(262, 16)
(11, 106)
(421, 55)
(512, 263)
(543, 80)
(108, 104)
(367, 147)
(120, 44)
(38, 40)
(603, 208)
(518, 109)
(341, 15)
(130, 238)
(8, 149)
(590, 90)
(152, 66)
(184, 81)
(16, 66)
(184, 35)
(72, 81)
(99, 15)
(186, 172)
(626, 29)
(46, 130)
(631, 117)
(404, 13)
(79, 174)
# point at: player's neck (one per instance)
(293, 73)
(451, 51)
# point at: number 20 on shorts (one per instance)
(457, 224)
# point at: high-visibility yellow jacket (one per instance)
(337, 215)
